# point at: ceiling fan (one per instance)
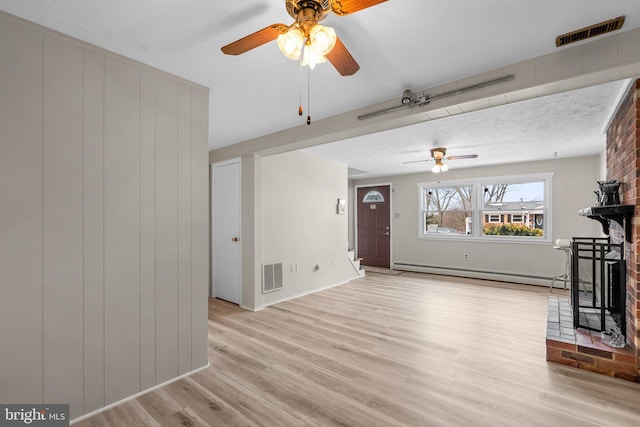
(438, 155)
(306, 37)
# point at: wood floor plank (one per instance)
(406, 350)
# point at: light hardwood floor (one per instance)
(407, 350)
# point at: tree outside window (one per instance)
(447, 210)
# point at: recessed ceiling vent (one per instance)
(590, 31)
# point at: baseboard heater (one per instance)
(475, 274)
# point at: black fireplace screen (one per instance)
(598, 284)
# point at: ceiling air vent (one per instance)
(590, 31)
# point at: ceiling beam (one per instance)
(603, 60)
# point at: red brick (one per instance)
(610, 366)
(593, 368)
(553, 353)
(582, 358)
(563, 361)
(627, 358)
(561, 345)
(596, 349)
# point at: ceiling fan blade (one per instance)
(342, 60)
(254, 40)
(465, 156)
(415, 161)
(345, 7)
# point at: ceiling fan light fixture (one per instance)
(291, 43)
(322, 39)
(293, 38)
(311, 56)
(439, 166)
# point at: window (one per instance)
(499, 208)
(372, 197)
(520, 201)
(446, 210)
(516, 218)
(493, 218)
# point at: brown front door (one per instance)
(374, 233)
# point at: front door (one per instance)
(227, 270)
(374, 232)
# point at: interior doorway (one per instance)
(373, 225)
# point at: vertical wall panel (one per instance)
(199, 225)
(62, 223)
(166, 229)
(122, 229)
(184, 228)
(20, 213)
(93, 231)
(103, 221)
(147, 230)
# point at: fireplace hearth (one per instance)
(582, 348)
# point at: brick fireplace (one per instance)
(580, 348)
(623, 164)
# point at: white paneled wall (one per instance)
(62, 209)
(103, 222)
(21, 214)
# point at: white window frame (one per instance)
(422, 187)
(512, 220)
(491, 219)
(477, 210)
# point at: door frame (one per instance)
(212, 167)
(355, 216)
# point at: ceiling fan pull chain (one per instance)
(300, 88)
(308, 96)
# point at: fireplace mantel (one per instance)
(621, 214)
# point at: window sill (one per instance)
(488, 239)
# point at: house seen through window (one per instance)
(520, 206)
(488, 208)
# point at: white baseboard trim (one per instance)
(301, 294)
(258, 308)
(126, 399)
(478, 274)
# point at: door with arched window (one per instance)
(374, 226)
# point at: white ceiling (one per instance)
(563, 125)
(399, 44)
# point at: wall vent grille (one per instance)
(271, 277)
(590, 31)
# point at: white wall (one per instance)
(573, 183)
(300, 225)
(103, 224)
